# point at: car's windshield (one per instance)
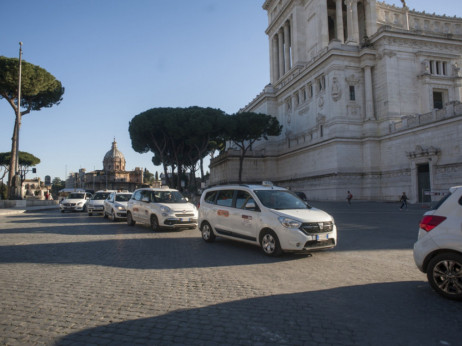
(280, 199)
(76, 196)
(123, 198)
(169, 197)
(100, 196)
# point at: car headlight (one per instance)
(165, 209)
(119, 207)
(289, 223)
(80, 203)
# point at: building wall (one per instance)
(372, 143)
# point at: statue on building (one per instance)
(336, 91)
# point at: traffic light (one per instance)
(34, 170)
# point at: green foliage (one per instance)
(178, 137)
(181, 137)
(39, 89)
(244, 129)
(25, 159)
(56, 185)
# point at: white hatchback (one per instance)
(438, 250)
(115, 206)
(272, 217)
(161, 208)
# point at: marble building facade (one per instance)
(369, 96)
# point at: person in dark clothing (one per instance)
(403, 201)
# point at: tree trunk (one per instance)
(241, 164)
(202, 168)
(13, 163)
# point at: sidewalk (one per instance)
(16, 211)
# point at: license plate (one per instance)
(322, 237)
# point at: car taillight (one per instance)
(429, 222)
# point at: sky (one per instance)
(118, 58)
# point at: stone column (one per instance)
(323, 23)
(287, 46)
(349, 6)
(355, 22)
(281, 52)
(339, 20)
(368, 93)
(274, 59)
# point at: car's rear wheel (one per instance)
(444, 274)
(130, 220)
(270, 243)
(207, 232)
(154, 223)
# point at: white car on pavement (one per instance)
(115, 206)
(161, 208)
(96, 204)
(438, 250)
(271, 217)
(75, 201)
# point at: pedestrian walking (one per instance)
(403, 201)
(349, 197)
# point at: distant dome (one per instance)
(114, 152)
(114, 160)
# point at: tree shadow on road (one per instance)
(333, 316)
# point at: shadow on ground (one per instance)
(332, 316)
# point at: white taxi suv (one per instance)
(96, 204)
(115, 206)
(438, 250)
(75, 201)
(161, 208)
(271, 217)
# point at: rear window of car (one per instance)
(225, 198)
(441, 201)
(210, 197)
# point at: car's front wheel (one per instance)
(444, 274)
(154, 223)
(270, 243)
(207, 232)
(113, 216)
(130, 220)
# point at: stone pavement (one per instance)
(15, 211)
(70, 279)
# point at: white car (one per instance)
(75, 201)
(115, 206)
(96, 204)
(272, 217)
(438, 250)
(161, 208)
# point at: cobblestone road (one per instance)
(72, 279)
